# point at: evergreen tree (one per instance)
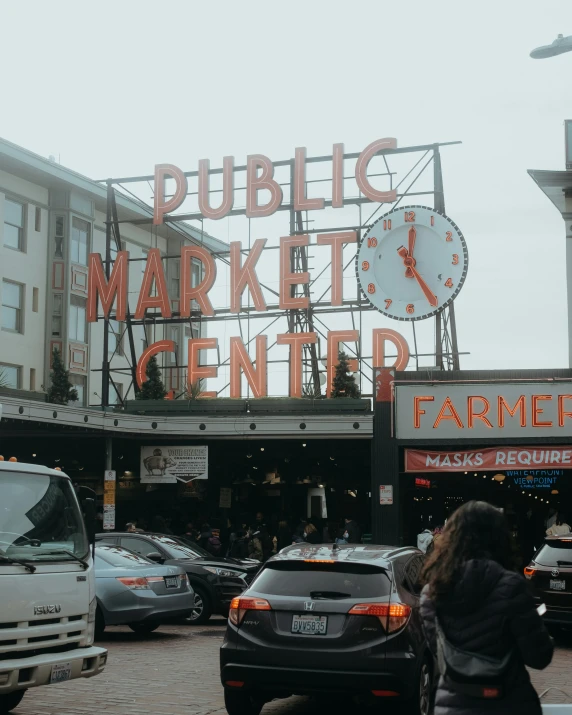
(61, 391)
(344, 384)
(153, 388)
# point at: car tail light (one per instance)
(239, 607)
(135, 584)
(529, 572)
(319, 561)
(155, 579)
(385, 693)
(392, 616)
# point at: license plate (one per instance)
(310, 625)
(172, 581)
(61, 672)
(557, 584)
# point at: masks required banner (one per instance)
(483, 460)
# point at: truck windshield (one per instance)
(40, 520)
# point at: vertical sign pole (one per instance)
(105, 364)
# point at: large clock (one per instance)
(412, 262)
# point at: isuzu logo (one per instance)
(309, 605)
(45, 610)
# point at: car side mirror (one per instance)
(90, 517)
(155, 556)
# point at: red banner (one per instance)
(491, 458)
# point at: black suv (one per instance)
(331, 620)
(550, 575)
(215, 580)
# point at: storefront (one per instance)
(445, 438)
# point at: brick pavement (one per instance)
(174, 671)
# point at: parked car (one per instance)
(331, 620)
(133, 591)
(215, 580)
(550, 575)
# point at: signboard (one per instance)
(499, 410)
(535, 478)
(225, 501)
(109, 483)
(386, 494)
(423, 483)
(169, 464)
(484, 460)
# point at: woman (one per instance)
(559, 528)
(311, 535)
(483, 607)
(284, 535)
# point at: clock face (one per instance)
(412, 263)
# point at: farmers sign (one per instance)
(167, 465)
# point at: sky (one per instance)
(112, 88)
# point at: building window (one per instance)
(114, 398)
(60, 222)
(35, 299)
(77, 322)
(114, 346)
(38, 219)
(13, 225)
(80, 241)
(57, 315)
(12, 306)
(78, 383)
(32, 379)
(10, 375)
(176, 281)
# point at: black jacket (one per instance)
(490, 611)
(353, 532)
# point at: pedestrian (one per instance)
(284, 535)
(158, 525)
(255, 550)
(240, 545)
(190, 533)
(480, 619)
(330, 532)
(131, 527)
(311, 535)
(552, 513)
(352, 534)
(424, 540)
(560, 527)
(210, 540)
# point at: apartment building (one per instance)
(51, 218)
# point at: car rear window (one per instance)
(296, 578)
(116, 556)
(555, 553)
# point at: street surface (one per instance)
(174, 671)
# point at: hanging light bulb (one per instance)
(499, 477)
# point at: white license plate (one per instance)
(61, 672)
(310, 625)
(172, 581)
(557, 584)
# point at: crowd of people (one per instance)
(254, 539)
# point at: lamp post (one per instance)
(560, 45)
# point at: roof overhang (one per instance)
(557, 185)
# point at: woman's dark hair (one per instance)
(476, 530)
(560, 518)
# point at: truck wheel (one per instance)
(242, 703)
(99, 624)
(143, 628)
(202, 610)
(9, 701)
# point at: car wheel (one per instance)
(202, 610)
(242, 703)
(9, 701)
(422, 701)
(99, 624)
(143, 628)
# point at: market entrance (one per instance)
(527, 497)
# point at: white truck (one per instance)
(47, 582)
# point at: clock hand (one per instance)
(412, 237)
(431, 297)
(411, 272)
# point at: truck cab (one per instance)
(47, 584)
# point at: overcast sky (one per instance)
(114, 87)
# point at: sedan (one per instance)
(338, 621)
(136, 592)
(215, 580)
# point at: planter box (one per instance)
(22, 394)
(306, 405)
(178, 407)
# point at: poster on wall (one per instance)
(170, 464)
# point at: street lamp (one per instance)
(560, 45)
